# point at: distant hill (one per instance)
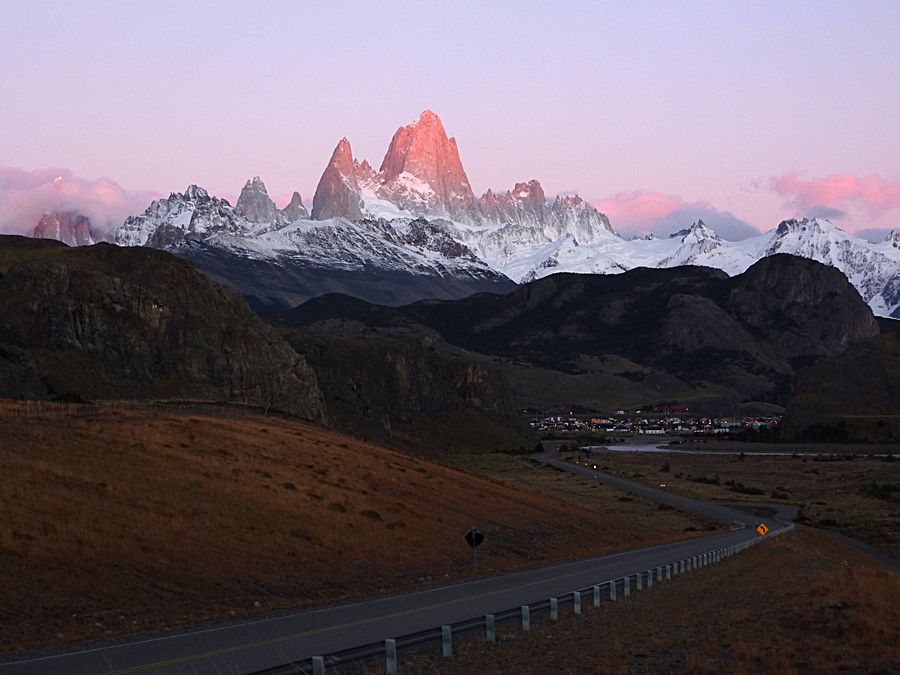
(722, 344)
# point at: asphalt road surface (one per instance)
(264, 643)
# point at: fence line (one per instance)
(36, 408)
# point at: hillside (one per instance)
(119, 521)
(853, 396)
(104, 322)
(692, 334)
(109, 323)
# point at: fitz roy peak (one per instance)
(414, 230)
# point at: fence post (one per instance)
(318, 665)
(526, 618)
(446, 641)
(490, 628)
(596, 596)
(626, 589)
(576, 600)
(612, 590)
(554, 609)
(390, 656)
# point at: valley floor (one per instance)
(120, 522)
(857, 495)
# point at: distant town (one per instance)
(651, 422)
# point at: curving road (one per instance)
(265, 643)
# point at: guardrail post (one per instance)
(390, 656)
(576, 602)
(554, 609)
(639, 579)
(446, 641)
(596, 596)
(626, 589)
(612, 590)
(650, 578)
(659, 574)
(318, 665)
(668, 572)
(490, 628)
(526, 618)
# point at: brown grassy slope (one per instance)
(801, 603)
(832, 493)
(115, 523)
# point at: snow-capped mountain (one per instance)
(418, 217)
(874, 269)
(256, 248)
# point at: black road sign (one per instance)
(474, 537)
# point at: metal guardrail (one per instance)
(607, 591)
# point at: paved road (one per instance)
(259, 644)
(717, 512)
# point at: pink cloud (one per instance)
(644, 211)
(637, 209)
(26, 195)
(840, 190)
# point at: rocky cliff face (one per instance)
(422, 172)
(295, 209)
(69, 227)
(405, 392)
(106, 322)
(338, 191)
(254, 202)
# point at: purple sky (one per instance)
(659, 112)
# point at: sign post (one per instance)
(474, 538)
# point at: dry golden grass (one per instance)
(122, 522)
(801, 603)
(831, 493)
(526, 473)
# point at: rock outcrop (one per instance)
(254, 202)
(111, 323)
(69, 227)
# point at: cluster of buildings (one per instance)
(650, 423)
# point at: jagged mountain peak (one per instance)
(194, 192)
(811, 225)
(254, 202)
(295, 208)
(699, 231)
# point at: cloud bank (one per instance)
(26, 195)
(643, 211)
(838, 191)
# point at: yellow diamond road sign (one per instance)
(763, 529)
